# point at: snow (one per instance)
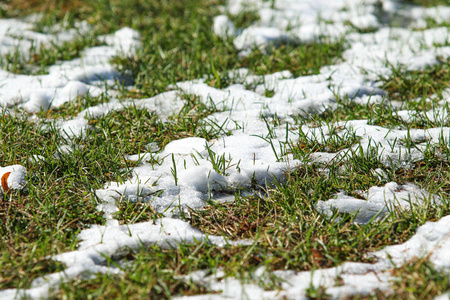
(348, 279)
(250, 153)
(100, 242)
(259, 36)
(378, 202)
(66, 80)
(13, 177)
(223, 26)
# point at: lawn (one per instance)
(209, 149)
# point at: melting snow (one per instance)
(67, 80)
(13, 177)
(378, 202)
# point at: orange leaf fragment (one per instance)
(5, 183)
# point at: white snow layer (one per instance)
(190, 170)
(66, 80)
(378, 202)
(349, 279)
(113, 240)
(12, 178)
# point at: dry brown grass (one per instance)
(60, 7)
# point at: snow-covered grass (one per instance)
(274, 151)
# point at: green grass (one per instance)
(289, 233)
(300, 60)
(432, 23)
(290, 230)
(43, 56)
(152, 273)
(405, 85)
(419, 91)
(132, 129)
(427, 3)
(72, 108)
(174, 49)
(60, 189)
(420, 279)
(54, 10)
(417, 279)
(45, 219)
(380, 114)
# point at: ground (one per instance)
(241, 149)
